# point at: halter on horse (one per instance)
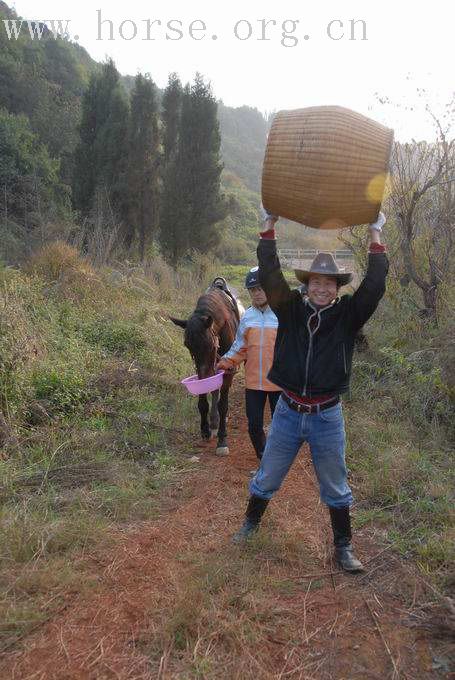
(209, 333)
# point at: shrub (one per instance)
(416, 380)
(58, 258)
(19, 341)
(236, 251)
(115, 336)
(64, 389)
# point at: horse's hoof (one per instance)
(206, 436)
(222, 451)
(213, 433)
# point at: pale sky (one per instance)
(408, 46)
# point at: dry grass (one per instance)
(100, 463)
(57, 259)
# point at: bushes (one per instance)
(65, 390)
(234, 250)
(412, 382)
(58, 258)
(115, 336)
(401, 431)
(419, 376)
(19, 336)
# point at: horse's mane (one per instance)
(216, 304)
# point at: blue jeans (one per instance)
(324, 432)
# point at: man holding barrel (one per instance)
(312, 365)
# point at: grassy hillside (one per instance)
(94, 422)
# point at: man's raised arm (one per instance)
(270, 275)
(366, 298)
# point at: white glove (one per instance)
(266, 215)
(377, 226)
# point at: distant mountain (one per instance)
(243, 141)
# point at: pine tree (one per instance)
(200, 147)
(101, 155)
(192, 204)
(111, 150)
(85, 165)
(171, 107)
(143, 163)
(174, 236)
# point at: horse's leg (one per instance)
(214, 417)
(222, 446)
(203, 406)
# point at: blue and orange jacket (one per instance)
(254, 344)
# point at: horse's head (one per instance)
(202, 342)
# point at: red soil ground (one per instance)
(312, 624)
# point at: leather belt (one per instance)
(309, 408)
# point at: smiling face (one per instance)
(322, 289)
(258, 297)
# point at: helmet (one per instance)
(252, 278)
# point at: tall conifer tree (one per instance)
(101, 155)
(143, 163)
(193, 204)
(171, 107)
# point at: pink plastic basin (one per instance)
(195, 386)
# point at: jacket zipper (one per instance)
(310, 344)
(344, 359)
(310, 347)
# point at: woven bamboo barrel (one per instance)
(325, 167)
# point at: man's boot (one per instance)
(254, 511)
(344, 553)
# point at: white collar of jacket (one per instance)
(252, 310)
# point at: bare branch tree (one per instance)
(422, 200)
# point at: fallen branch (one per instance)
(66, 476)
(381, 635)
(315, 575)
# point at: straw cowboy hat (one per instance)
(324, 263)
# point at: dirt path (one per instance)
(176, 599)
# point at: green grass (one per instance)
(63, 389)
(116, 336)
(400, 431)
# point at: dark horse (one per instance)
(209, 333)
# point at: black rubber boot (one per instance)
(254, 511)
(344, 552)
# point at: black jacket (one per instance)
(316, 362)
